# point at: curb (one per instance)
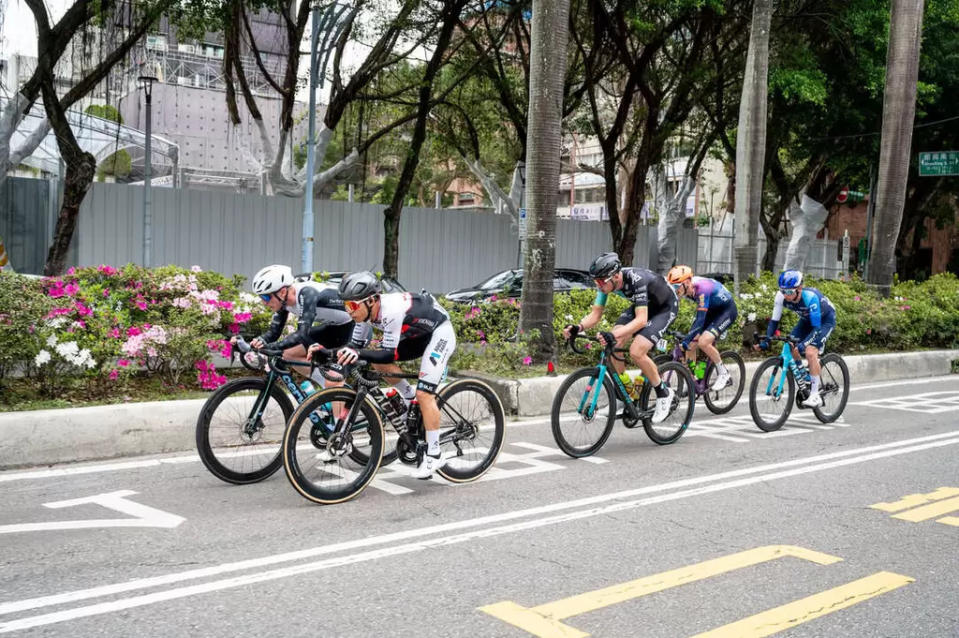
(46, 437)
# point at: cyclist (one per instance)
(715, 312)
(653, 308)
(322, 318)
(817, 319)
(413, 326)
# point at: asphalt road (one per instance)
(850, 529)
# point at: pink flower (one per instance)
(115, 333)
(56, 312)
(481, 335)
(133, 331)
(493, 298)
(905, 307)
(857, 298)
(107, 270)
(528, 361)
(106, 292)
(242, 317)
(71, 270)
(141, 305)
(82, 310)
(196, 269)
(226, 305)
(114, 374)
(235, 328)
(868, 331)
(56, 289)
(71, 289)
(589, 346)
(123, 362)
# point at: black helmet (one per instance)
(605, 266)
(359, 285)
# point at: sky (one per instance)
(19, 30)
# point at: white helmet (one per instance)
(272, 278)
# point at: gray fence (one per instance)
(26, 221)
(233, 233)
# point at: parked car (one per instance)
(334, 278)
(509, 283)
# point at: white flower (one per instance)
(196, 269)
(57, 322)
(52, 340)
(765, 288)
(751, 316)
(745, 295)
(68, 349)
(569, 317)
(42, 357)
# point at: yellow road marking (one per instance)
(950, 520)
(797, 612)
(932, 510)
(915, 500)
(544, 620)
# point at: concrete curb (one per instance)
(44, 437)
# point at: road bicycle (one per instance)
(717, 400)
(333, 468)
(240, 428)
(780, 381)
(584, 408)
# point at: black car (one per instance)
(509, 283)
(334, 278)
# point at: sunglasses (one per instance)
(352, 306)
(602, 282)
(789, 292)
(676, 287)
(266, 298)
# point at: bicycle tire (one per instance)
(662, 358)
(306, 473)
(601, 432)
(774, 364)
(207, 450)
(453, 405)
(826, 391)
(734, 364)
(675, 374)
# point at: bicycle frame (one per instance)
(603, 369)
(788, 367)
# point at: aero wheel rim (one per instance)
(238, 445)
(470, 418)
(582, 430)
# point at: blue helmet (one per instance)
(790, 279)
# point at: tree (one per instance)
(751, 142)
(550, 32)
(898, 114)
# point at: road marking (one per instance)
(926, 403)
(143, 515)
(773, 621)
(544, 620)
(916, 508)
(394, 544)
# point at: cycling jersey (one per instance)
(318, 307)
(715, 311)
(643, 288)
(817, 318)
(413, 326)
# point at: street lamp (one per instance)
(328, 26)
(145, 82)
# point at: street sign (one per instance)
(522, 224)
(939, 163)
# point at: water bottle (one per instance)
(700, 370)
(307, 388)
(629, 385)
(638, 382)
(413, 415)
(393, 405)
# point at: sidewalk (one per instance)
(45, 437)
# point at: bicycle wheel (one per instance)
(722, 400)
(580, 427)
(662, 358)
(769, 404)
(232, 447)
(331, 469)
(676, 376)
(472, 427)
(833, 387)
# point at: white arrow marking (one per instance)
(143, 515)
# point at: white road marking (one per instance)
(417, 539)
(142, 515)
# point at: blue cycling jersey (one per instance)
(812, 305)
(711, 299)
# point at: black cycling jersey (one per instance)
(317, 305)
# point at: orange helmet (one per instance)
(679, 274)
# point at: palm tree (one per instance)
(898, 113)
(549, 36)
(751, 141)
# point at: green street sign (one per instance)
(938, 163)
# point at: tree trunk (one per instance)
(79, 177)
(550, 33)
(751, 143)
(898, 114)
(807, 220)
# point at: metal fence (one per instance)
(26, 221)
(238, 233)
